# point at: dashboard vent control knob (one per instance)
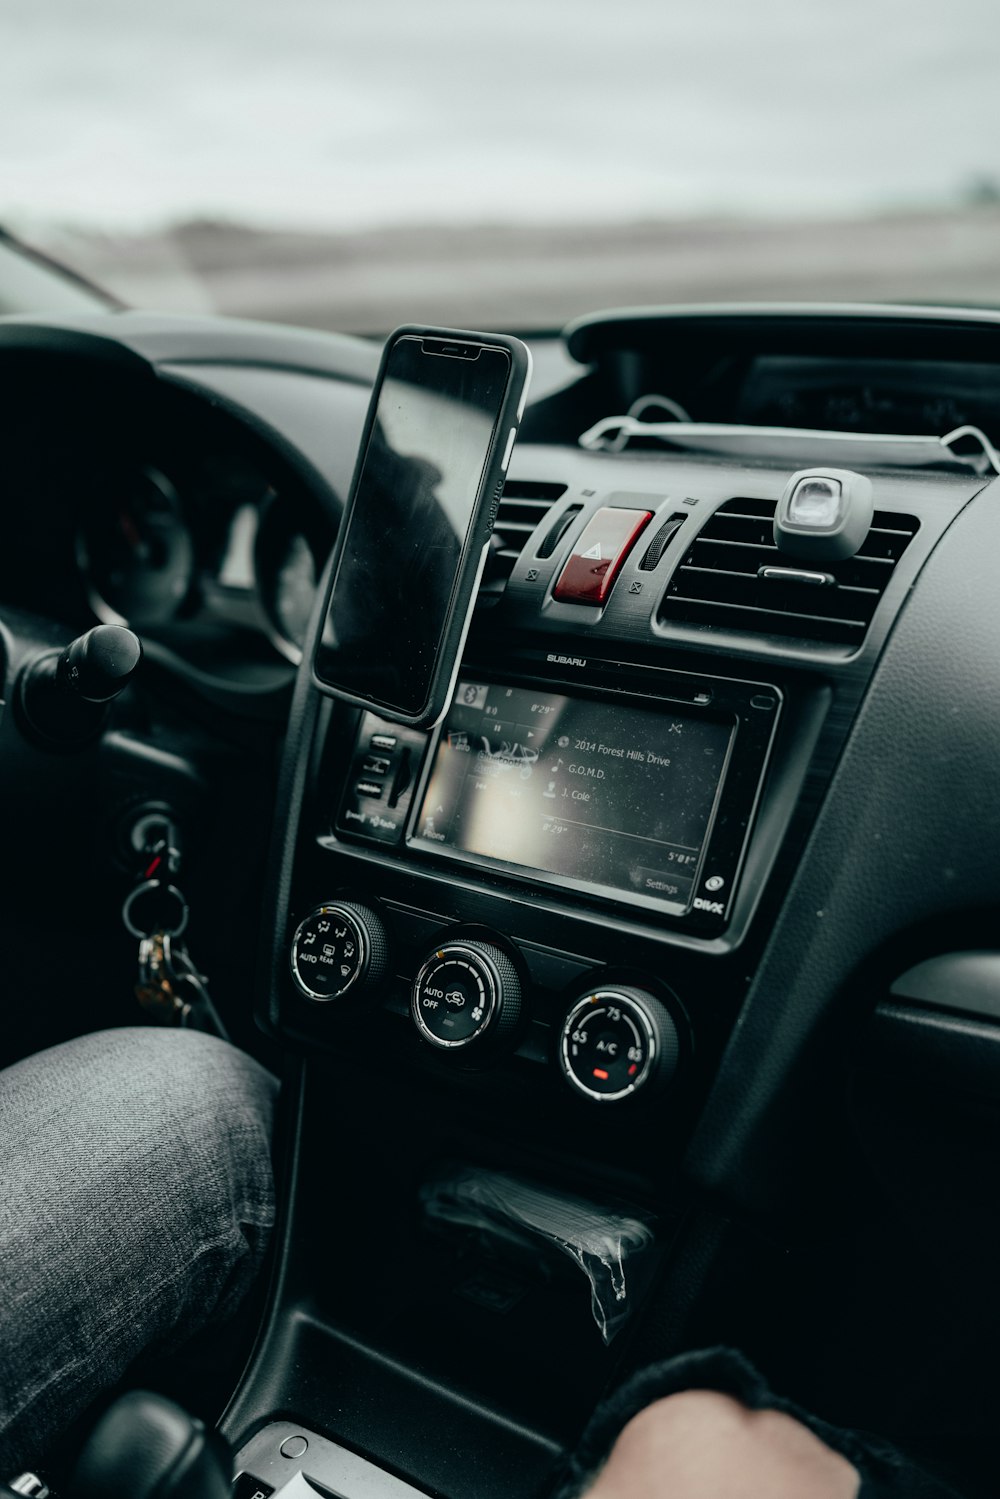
(339, 949)
(467, 996)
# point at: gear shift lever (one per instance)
(146, 1446)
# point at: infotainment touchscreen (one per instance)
(598, 794)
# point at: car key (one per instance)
(156, 990)
(169, 985)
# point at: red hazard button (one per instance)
(596, 561)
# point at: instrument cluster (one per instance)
(209, 543)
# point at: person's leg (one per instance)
(136, 1206)
(704, 1445)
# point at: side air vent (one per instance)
(522, 505)
(734, 577)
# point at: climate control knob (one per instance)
(339, 949)
(467, 995)
(616, 1041)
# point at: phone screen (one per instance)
(414, 507)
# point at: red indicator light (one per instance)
(153, 867)
(600, 1072)
(633, 1070)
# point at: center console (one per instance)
(527, 887)
(508, 949)
(508, 954)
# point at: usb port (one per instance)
(383, 741)
(376, 765)
(368, 788)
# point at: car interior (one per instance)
(707, 837)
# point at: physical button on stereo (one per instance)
(616, 1041)
(370, 789)
(379, 785)
(596, 560)
(466, 994)
(338, 949)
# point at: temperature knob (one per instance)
(616, 1041)
(339, 949)
(466, 994)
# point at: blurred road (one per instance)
(541, 276)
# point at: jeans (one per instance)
(137, 1198)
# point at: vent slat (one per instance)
(533, 489)
(523, 527)
(724, 572)
(714, 572)
(523, 505)
(794, 599)
(821, 619)
(720, 583)
(724, 541)
(776, 619)
(732, 556)
(739, 515)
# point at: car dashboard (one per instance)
(663, 915)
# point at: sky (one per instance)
(133, 114)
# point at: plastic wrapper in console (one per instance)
(608, 1244)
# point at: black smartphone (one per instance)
(441, 426)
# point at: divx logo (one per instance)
(715, 906)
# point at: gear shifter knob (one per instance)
(146, 1446)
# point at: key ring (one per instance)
(150, 890)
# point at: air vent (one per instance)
(727, 578)
(523, 504)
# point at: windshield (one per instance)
(356, 164)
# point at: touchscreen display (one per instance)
(603, 794)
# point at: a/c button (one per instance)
(596, 560)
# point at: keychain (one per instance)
(156, 989)
(169, 985)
